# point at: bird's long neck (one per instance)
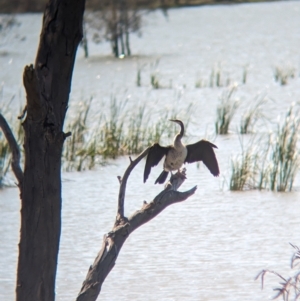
(177, 139)
(181, 129)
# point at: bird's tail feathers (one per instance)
(162, 177)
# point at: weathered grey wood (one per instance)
(123, 182)
(123, 227)
(14, 147)
(47, 86)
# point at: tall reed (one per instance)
(243, 168)
(284, 153)
(275, 163)
(251, 115)
(75, 145)
(226, 110)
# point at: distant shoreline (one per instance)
(20, 6)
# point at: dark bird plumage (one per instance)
(177, 154)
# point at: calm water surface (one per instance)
(213, 245)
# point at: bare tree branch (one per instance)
(14, 147)
(123, 181)
(123, 227)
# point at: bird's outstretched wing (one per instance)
(155, 154)
(203, 151)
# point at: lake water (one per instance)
(211, 246)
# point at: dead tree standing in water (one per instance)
(47, 86)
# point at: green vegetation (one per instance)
(284, 154)
(283, 73)
(154, 81)
(219, 78)
(251, 115)
(243, 169)
(274, 164)
(226, 110)
(123, 132)
(269, 161)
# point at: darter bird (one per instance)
(178, 154)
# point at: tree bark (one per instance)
(47, 87)
(123, 227)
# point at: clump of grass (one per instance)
(226, 110)
(215, 78)
(219, 78)
(275, 163)
(73, 153)
(154, 81)
(283, 74)
(154, 75)
(111, 133)
(289, 288)
(284, 153)
(250, 117)
(199, 83)
(244, 168)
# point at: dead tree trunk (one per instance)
(123, 227)
(47, 87)
(127, 43)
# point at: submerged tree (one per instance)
(115, 20)
(47, 86)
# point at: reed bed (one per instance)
(275, 163)
(120, 132)
(96, 138)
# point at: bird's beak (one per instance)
(175, 120)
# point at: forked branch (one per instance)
(123, 182)
(123, 227)
(14, 147)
